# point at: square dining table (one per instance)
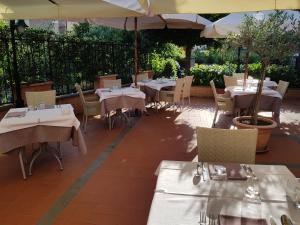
(244, 98)
(24, 126)
(178, 200)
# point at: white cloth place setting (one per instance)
(238, 90)
(179, 200)
(157, 84)
(58, 115)
(106, 93)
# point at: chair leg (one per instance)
(189, 100)
(215, 117)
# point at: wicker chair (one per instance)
(222, 102)
(230, 81)
(187, 88)
(140, 77)
(238, 76)
(282, 87)
(174, 97)
(40, 97)
(91, 106)
(227, 146)
(112, 83)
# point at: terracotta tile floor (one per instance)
(119, 189)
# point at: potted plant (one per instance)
(272, 38)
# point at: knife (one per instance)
(285, 220)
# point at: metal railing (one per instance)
(65, 62)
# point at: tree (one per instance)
(272, 38)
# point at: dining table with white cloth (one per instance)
(24, 126)
(152, 87)
(244, 98)
(178, 200)
(254, 82)
(119, 98)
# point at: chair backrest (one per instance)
(178, 91)
(40, 97)
(238, 76)
(282, 87)
(79, 90)
(112, 83)
(230, 81)
(140, 77)
(187, 86)
(227, 146)
(213, 87)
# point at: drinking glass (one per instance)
(252, 192)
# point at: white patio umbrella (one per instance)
(155, 7)
(232, 23)
(171, 21)
(68, 9)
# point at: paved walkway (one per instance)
(114, 183)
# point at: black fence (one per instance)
(65, 62)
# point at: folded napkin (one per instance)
(233, 220)
(15, 114)
(233, 171)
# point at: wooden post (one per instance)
(135, 52)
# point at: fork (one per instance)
(202, 218)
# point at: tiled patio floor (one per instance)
(113, 184)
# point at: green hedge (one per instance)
(277, 72)
(205, 73)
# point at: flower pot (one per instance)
(43, 86)
(99, 79)
(264, 127)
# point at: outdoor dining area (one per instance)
(122, 135)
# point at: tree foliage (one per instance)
(272, 38)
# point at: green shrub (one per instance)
(203, 74)
(169, 68)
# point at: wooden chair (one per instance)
(187, 88)
(40, 97)
(222, 102)
(174, 97)
(91, 106)
(227, 146)
(230, 81)
(282, 87)
(112, 83)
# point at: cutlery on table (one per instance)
(202, 218)
(285, 220)
(197, 176)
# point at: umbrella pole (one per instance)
(135, 52)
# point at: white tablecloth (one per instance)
(62, 116)
(105, 93)
(254, 82)
(238, 90)
(157, 84)
(178, 201)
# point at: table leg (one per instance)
(21, 154)
(35, 156)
